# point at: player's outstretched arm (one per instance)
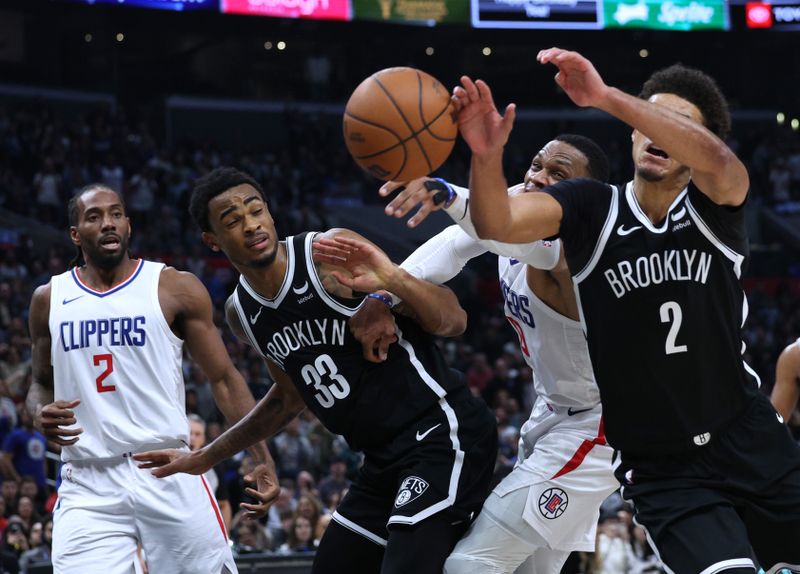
(716, 171)
(786, 392)
(50, 416)
(362, 267)
(280, 405)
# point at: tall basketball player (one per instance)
(549, 505)
(107, 338)
(704, 458)
(429, 446)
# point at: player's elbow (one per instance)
(452, 324)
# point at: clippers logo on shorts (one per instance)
(411, 489)
(553, 502)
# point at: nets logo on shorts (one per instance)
(411, 489)
(553, 502)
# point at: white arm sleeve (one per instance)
(443, 256)
(539, 254)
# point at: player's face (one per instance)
(652, 163)
(242, 227)
(103, 229)
(555, 162)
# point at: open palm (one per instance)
(479, 122)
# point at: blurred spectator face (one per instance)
(29, 488)
(305, 481)
(213, 431)
(25, 508)
(37, 532)
(338, 469)
(48, 532)
(9, 490)
(103, 229)
(246, 535)
(306, 508)
(15, 536)
(197, 435)
(302, 529)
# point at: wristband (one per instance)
(444, 193)
(380, 297)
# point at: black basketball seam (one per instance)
(400, 142)
(403, 116)
(426, 124)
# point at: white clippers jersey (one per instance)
(553, 345)
(116, 353)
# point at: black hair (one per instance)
(596, 157)
(696, 87)
(74, 214)
(213, 184)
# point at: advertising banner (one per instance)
(413, 11)
(314, 9)
(669, 15)
(555, 14)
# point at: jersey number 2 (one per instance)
(673, 309)
(336, 388)
(109, 362)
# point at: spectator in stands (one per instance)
(249, 537)
(293, 450)
(40, 543)
(310, 508)
(335, 482)
(26, 511)
(284, 505)
(10, 493)
(26, 447)
(15, 542)
(301, 537)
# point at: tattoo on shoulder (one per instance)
(330, 283)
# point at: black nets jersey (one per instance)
(304, 331)
(662, 308)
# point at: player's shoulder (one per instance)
(791, 354)
(182, 286)
(40, 300)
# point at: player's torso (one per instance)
(553, 345)
(304, 331)
(116, 353)
(663, 309)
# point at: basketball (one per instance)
(399, 124)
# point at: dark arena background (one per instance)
(148, 95)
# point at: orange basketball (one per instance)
(399, 124)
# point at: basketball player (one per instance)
(429, 445)
(107, 345)
(704, 457)
(549, 505)
(786, 392)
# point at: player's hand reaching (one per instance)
(171, 461)
(430, 194)
(576, 76)
(480, 124)
(266, 491)
(52, 419)
(373, 326)
(369, 268)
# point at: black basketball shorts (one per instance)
(442, 463)
(708, 508)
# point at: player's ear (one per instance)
(210, 240)
(73, 235)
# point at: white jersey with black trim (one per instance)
(115, 352)
(553, 345)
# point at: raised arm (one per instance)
(48, 415)
(716, 171)
(361, 266)
(524, 218)
(786, 392)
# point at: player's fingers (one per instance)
(54, 412)
(484, 92)
(508, 117)
(343, 278)
(66, 432)
(67, 404)
(420, 215)
(64, 441)
(383, 346)
(163, 471)
(390, 187)
(50, 422)
(405, 201)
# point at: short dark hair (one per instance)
(596, 157)
(74, 212)
(696, 87)
(213, 184)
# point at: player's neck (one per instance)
(656, 197)
(101, 279)
(267, 280)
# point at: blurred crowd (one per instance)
(45, 158)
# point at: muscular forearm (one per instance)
(235, 401)
(686, 141)
(269, 416)
(489, 202)
(435, 309)
(38, 396)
